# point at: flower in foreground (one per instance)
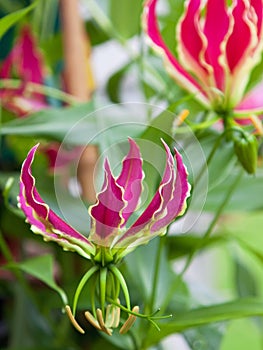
(218, 46)
(111, 237)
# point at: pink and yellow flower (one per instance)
(218, 46)
(117, 201)
(111, 235)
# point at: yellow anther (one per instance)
(112, 318)
(129, 322)
(73, 320)
(181, 117)
(102, 324)
(92, 320)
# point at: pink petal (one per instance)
(26, 63)
(177, 205)
(43, 220)
(253, 101)
(216, 27)
(191, 41)
(130, 180)
(106, 213)
(258, 6)
(167, 203)
(173, 66)
(30, 64)
(236, 47)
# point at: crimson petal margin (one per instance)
(168, 202)
(42, 219)
(173, 66)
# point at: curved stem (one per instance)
(116, 272)
(82, 283)
(92, 294)
(161, 245)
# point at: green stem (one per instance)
(213, 222)
(82, 283)
(209, 158)
(103, 282)
(161, 245)
(5, 250)
(116, 272)
(9, 258)
(92, 294)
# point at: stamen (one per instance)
(129, 322)
(112, 318)
(181, 117)
(73, 320)
(102, 324)
(92, 320)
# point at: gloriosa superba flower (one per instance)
(111, 237)
(218, 46)
(219, 43)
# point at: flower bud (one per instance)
(246, 149)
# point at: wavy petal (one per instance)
(258, 6)
(192, 42)
(173, 66)
(177, 205)
(168, 202)
(242, 55)
(244, 27)
(216, 27)
(107, 212)
(42, 219)
(130, 180)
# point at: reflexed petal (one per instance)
(168, 202)
(130, 180)
(258, 6)
(191, 41)
(107, 212)
(243, 28)
(242, 55)
(216, 27)
(173, 66)
(177, 205)
(42, 219)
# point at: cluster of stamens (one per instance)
(107, 284)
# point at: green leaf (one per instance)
(42, 268)
(10, 19)
(179, 246)
(81, 124)
(205, 315)
(126, 16)
(53, 122)
(242, 335)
